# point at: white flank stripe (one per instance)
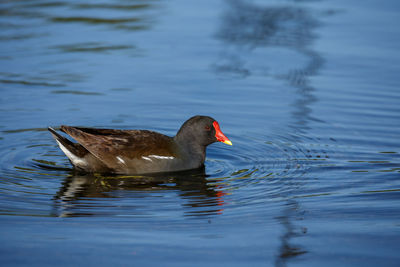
(146, 158)
(161, 157)
(120, 160)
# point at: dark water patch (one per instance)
(44, 4)
(93, 20)
(18, 37)
(92, 47)
(66, 77)
(9, 25)
(76, 92)
(117, 121)
(10, 75)
(37, 145)
(25, 130)
(128, 23)
(133, 27)
(121, 89)
(31, 83)
(122, 7)
(15, 12)
(394, 191)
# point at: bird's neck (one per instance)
(191, 149)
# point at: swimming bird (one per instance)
(140, 151)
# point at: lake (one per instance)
(307, 91)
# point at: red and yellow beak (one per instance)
(219, 135)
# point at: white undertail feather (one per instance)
(74, 159)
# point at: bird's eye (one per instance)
(207, 128)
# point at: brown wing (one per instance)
(107, 144)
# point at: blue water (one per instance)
(307, 91)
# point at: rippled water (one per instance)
(306, 90)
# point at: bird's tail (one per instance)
(74, 151)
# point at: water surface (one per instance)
(306, 90)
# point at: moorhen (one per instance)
(140, 151)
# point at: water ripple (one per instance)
(252, 172)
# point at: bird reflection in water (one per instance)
(88, 195)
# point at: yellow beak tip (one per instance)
(228, 142)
